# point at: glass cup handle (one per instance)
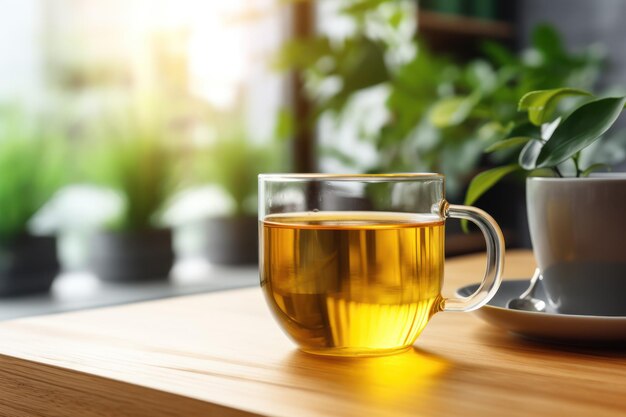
(495, 257)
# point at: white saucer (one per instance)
(549, 326)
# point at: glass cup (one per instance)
(353, 264)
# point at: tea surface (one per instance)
(352, 282)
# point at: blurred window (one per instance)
(85, 54)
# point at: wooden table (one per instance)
(221, 354)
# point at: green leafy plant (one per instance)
(136, 156)
(552, 141)
(32, 169)
(440, 114)
(233, 163)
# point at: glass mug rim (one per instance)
(400, 176)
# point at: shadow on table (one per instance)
(507, 341)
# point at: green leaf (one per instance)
(452, 111)
(547, 40)
(358, 54)
(483, 182)
(499, 54)
(581, 128)
(528, 156)
(609, 150)
(491, 131)
(507, 143)
(301, 54)
(542, 172)
(542, 104)
(448, 112)
(594, 167)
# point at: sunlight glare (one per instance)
(216, 51)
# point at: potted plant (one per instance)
(135, 156)
(557, 140)
(32, 166)
(577, 223)
(233, 163)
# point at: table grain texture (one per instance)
(221, 354)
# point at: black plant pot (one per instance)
(28, 264)
(132, 256)
(232, 240)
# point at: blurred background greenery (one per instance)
(33, 161)
(441, 114)
(127, 117)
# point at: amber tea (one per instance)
(352, 282)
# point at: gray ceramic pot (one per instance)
(578, 231)
(232, 240)
(28, 264)
(131, 256)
